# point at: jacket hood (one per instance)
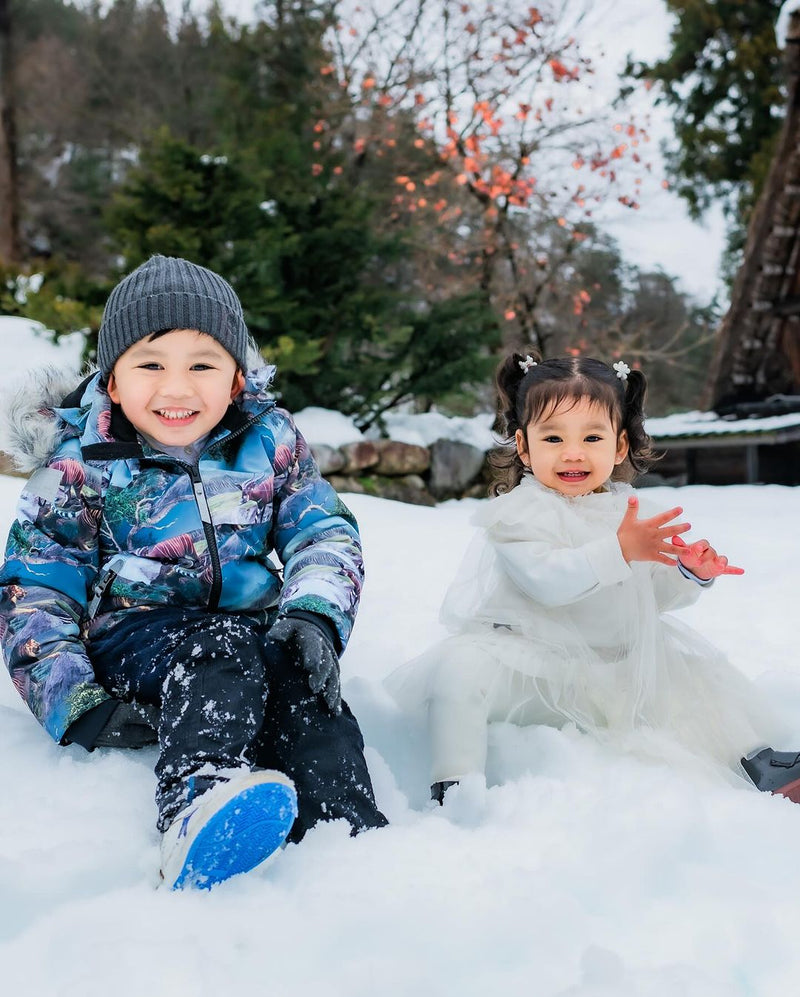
(46, 408)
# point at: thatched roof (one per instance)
(758, 344)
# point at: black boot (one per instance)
(775, 772)
(438, 789)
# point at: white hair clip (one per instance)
(622, 370)
(526, 364)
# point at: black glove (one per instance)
(131, 725)
(311, 645)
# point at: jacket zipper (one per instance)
(205, 512)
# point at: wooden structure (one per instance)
(751, 429)
(758, 344)
(701, 448)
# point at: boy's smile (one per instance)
(175, 388)
(574, 448)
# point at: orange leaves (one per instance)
(472, 143)
(534, 17)
(562, 73)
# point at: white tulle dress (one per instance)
(551, 625)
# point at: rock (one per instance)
(454, 466)
(408, 488)
(329, 459)
(359, 456)
(397, 458)
(341, 483)
(478, 490)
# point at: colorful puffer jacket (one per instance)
(107, 526)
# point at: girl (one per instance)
(558, 613)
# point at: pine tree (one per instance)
(723, 79)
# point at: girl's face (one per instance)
(572, 448)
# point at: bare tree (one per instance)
(501, 94)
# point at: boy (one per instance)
(137, 580)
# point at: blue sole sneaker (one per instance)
(229, 829)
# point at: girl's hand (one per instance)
(647, 539)
(702, 560)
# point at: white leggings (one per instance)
(468, 694)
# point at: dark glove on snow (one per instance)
(311, 646)
(131, 725)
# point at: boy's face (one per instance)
(176, 388)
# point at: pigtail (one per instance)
(641, 455)
(505, 463)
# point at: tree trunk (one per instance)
(9, 185)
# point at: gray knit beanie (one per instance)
(167, 292)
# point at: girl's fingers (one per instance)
(663, 559)
(632, 511)
(665, 517)
(678, 542)
(675, 530)
(731, 569)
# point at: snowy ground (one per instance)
(574, 872)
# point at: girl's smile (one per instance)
(573, 448)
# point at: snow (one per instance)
(710, 424)
(322, 426)
(573, 871)
(428, 427)
(25, 344)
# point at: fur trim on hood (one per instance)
(30, 432)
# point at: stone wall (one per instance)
(405, 472)
(393, 470)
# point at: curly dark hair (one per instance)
(524, 396)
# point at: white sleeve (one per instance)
(673, 589)
(557, 576)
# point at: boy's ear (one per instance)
(111, 388)
(238, 384)
(623, 446)
(522, 447)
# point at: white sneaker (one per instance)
(229, 829)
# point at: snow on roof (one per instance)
(683, 424)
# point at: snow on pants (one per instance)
(229, 698)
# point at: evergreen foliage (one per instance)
(237, 146)
(723, 79)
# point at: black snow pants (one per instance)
(230, 698)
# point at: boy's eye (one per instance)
(202, 366)
(150, 366)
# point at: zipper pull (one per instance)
(202, 502)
